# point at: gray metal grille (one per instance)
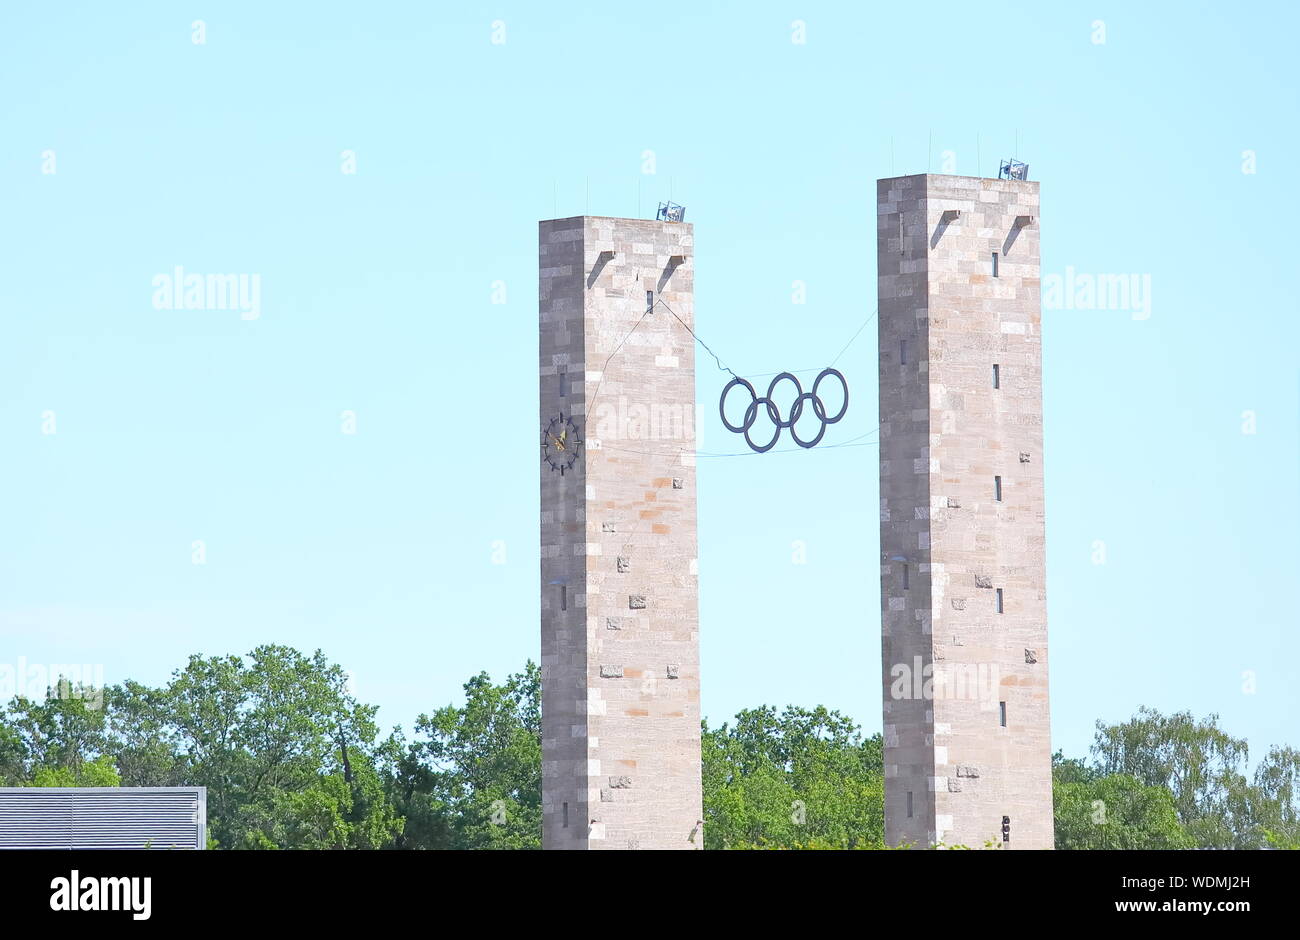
(103, 817)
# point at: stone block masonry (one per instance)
(962, 532)
(619, 604)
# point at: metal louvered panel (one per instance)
(103, 817)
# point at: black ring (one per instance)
(722, 411)
(845, 407)
(774, 412)
(751, 415)
(819, 410)
(795, 409)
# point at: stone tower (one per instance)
(963, 575)
(620, 613)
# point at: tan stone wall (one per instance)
(620, 667)
(946, 434)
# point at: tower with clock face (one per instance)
(619, 597)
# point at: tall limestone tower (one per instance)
(963, 576)
(620, 612)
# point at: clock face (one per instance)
(560, 443)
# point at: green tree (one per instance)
(1201, 765)
(99, 772)
(57, 738)
(473, 779)
(267, 738)
(292, 760)
(147, 742)
(13, 754)
(1275, 799)
(1070, 770)
(1115, 812)
(805, 778)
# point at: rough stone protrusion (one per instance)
(959, 603)
(967, 770)
(1031, 656)
(620, 783)
(677, 483)
(624, 563)
(1024, 458)
(983, 581)
(954, 785)
(613, 623)
(954, 502)
(636, 601)
(607, 527)
(672, 671)
(606, 795)
(611, 672)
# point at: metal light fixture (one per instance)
(671, 212)
(1013, 169)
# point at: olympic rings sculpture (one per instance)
(774, 413)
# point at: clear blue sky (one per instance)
(376, 289)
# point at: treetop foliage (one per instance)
(292, 760)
